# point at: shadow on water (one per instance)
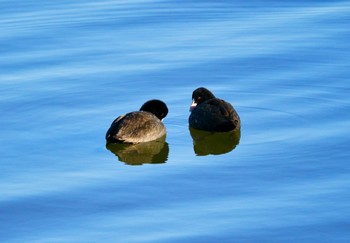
(154, 152)
(205, 143)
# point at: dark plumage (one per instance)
(212, 114)
(139, 126)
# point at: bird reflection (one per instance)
(205, 143)
(153, 152)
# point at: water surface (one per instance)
(68, 69)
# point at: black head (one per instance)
(201, 94)
(156, 107)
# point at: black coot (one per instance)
(139, 126)
(212, 114)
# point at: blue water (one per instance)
(68, 68)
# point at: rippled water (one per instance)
(69, 68)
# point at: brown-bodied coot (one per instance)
(139, 126)
(212, 114)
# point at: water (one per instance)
(69, 68)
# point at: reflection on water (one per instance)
(153, 152)
(205, 143)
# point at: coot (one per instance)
(139, 126)
(212, 114)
